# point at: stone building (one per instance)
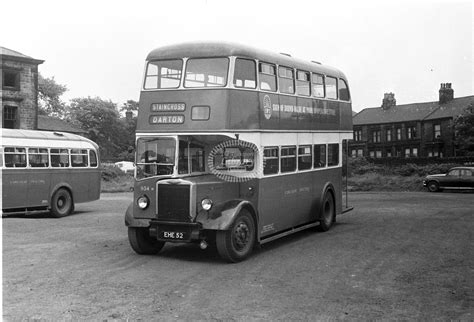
(18, 90)
(409, 130)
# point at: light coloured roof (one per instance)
(18, 56)
(20, 134)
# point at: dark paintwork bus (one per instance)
(47, 171)
(236, 145)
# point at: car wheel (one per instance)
(62, 204)
(328, 212)
(141, 241)
(433, 186)
(236, 244)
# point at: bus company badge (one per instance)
(267, 107)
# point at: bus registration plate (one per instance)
(168, 234)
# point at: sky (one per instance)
(98, 48)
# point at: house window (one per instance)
(372, 154)
(399, 134)
(437, 131)
(360, 152)
(358, 135)
(378, 154)
(376, 136)
(11, 80)
(388, 135)
(411, 132)
(388, 153)
(10, 117)
(407, 153)
(414, 152)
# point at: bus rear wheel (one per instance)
(61, 203)
(236, 244)
(142, 243)
(328, 212)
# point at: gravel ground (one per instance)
(396, 256)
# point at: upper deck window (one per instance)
(331, 87)
(302, 83)
(287, 80)
(163, 74)
(318, 85)
(206, 72)
(245, 73)
(343, 90)
(267, 74)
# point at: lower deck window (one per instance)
(304, 157)
(38, 157)
(319, 155)
(288, 159)
(270, 160)
(333, 154)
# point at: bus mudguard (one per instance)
(130, 221)
(221, 216)
(328, 188)
(59, 186)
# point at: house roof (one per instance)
(412, 112)
(48, 123)
(15, 55)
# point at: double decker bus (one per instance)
(236, 146)
(44, 171)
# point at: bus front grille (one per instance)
(174, 202)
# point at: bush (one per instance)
(110, 173)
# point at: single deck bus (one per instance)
(47, 171)
(236, 146)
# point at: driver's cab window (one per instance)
(190, 157)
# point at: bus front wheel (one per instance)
(141, 241)
(236, 244)
(328, 212)
(61, 203)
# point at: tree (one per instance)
(49, 97)
(101, 120)
(464, 129)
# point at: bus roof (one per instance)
(46, 137)
(213, 49)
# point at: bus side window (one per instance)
(319, 155)
(302, 83)
(288, 158)
(244, 73)
(79, 158)
(344, 90)
(318, 85)
(331, 87)
(15, 157)
(333, 154)
(59, 158)
(286, 79)
(38, 157)
(270, 160)
(93, 158)
(304, 157)
(267, 75)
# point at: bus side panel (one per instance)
(269, 111)
(94, 184)
(288, 113)
(325, 115)
(77, 179)
(346, 116)
(305, 115)
(243, 110)
(14, 188)
(39, 181)
(291, 200)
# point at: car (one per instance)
(126, 166)
(456, 178)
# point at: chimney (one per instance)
(388, 101)
(446, 93)
(129, 115)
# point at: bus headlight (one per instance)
(206, 204)
(143, 202)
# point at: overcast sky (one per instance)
(98, 48)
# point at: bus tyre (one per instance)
(236, 244)
(142, 243)
(328, 212)
(61, 203)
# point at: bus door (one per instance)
(39, 177)
(14, 178)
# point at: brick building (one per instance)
(19, 90)
(19, 95)
(409, 130)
